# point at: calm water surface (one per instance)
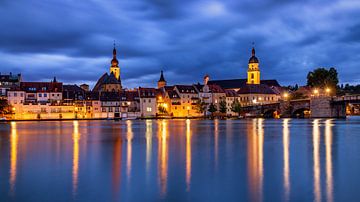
(181, 160)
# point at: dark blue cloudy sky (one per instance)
(187, 39)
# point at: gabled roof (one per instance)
(34, 87)
(106, 79)
(239, 83)
(73, 88)
(173, 94)
(188, 89)
(215, 88)
(256, 89)
(132, 95)
(147, 92)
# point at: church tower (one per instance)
(253, 69)
(114, 68)
(162, 81)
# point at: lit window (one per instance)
(148, 109)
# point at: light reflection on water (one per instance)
(211, 160)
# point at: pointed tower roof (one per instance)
(161, 76)
(114, 61)
(253, 58)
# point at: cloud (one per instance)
(187, 39)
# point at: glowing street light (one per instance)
(327, 90)
(286, 95)
(316, 91)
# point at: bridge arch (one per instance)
(269, 113)
(301, 113)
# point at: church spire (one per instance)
(162, 81)
(114, 68)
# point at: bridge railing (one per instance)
(347, 98)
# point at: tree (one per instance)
(323, 78)
(201, 107)
(236, 107)
(222, 106)
(162, 109)
(212, 108)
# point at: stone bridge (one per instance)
(314, 107)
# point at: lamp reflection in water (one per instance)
(13, 155)
(163, 155)
(75, 167)
(117, 157)
(316, 157)
(328, 147)
(255, 141)
(188, 154)
(129, 137)
(286, 143)
(148, 137)
(216, 144)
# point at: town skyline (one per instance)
(202, 38)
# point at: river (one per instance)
(181, 160)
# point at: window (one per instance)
(116, 109)
(40, 95)
(110, 109)
(21, 94)
(148, 109)
(15, 94)
(45, 95)
(53, 95)
(252, 76)
(149, 100)
(103, 109)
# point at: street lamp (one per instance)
(286, 95)
(328, 90)
(316, 91)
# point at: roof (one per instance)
(255, 89)
(239, 83)
(162, 77)
(199, 87)
(106, 79)
(147, 92)
(132, 95)
(110, 96)
(41, 86)
(73, 88)
(253, 58)
(214, 88)
(173, 94)
(230, 93)
(91, 95)
(189, 89)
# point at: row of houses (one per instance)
(108, 98)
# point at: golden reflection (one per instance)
(75, 167)
(13, 155)
(255, 141)
(216, 144)
(129, 137)
(163, 155)
(328, 146)
(148, 137)
(188, 154)
(117, 154)
(286, 144)
(316, 152)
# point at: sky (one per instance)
(73, 40)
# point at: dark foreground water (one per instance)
(181, 160)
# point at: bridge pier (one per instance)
(324, 107)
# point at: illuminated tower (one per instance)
(253, 69)
(161, 82)
(114, 65)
